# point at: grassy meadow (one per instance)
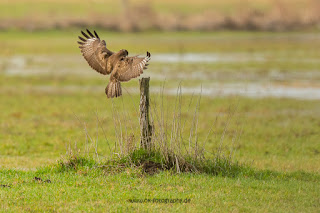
(52, 102)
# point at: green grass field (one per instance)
(95, 191)
(49, 95)
(278, 45)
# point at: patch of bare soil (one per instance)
(151, 167)
(39, 180)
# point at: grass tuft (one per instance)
(175, 143)
(142, 162)
(74, 163)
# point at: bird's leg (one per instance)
(114, 76)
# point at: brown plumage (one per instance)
(104, 61)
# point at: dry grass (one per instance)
(142, 15)
(175, 143)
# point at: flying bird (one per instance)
(121, 67)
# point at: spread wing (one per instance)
(95, 51)
(131, 67)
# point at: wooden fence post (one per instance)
(145, 126)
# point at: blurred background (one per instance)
(261, 55)
(141, 15)
(204, 41)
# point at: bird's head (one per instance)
(124, 52)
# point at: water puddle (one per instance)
(203, 58)
(214, 90)
(46, 65)
(252, 91)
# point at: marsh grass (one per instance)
(166, 15)
(176, 144)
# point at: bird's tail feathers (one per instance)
(113, 89)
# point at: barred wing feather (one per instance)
(131, 67)
(94, 51)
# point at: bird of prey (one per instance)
(118, 64)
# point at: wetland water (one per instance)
(214, 81)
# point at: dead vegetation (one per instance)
(278, 15)
(175, 143)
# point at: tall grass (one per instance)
(177, 143)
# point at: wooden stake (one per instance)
(145, 127)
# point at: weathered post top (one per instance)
(145, 127)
